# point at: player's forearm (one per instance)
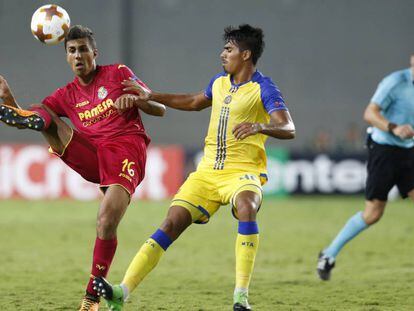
(280, 131)
(176, 101)
(373, 116)
(152, 108)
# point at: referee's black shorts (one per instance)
(388, 166)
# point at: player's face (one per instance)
(232, 58)
(81, 57)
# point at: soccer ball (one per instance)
(50, 23)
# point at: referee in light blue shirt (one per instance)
(390, 158)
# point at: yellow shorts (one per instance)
(205, 191)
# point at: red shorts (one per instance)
(119, 161)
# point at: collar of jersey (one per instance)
(243, 83)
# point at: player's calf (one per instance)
(20, 118)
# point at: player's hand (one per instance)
(125, 102)
(404, 131)
(246, 129)
(133, 86)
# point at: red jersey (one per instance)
(91, 108)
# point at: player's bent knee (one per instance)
(247, 204)
(372, 216)
(373, 211)
(246, 211)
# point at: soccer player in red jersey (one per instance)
(108, 146)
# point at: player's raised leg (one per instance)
(247, 204)
(40, 118)
(56, 132)
(177, 220)
(355, 225)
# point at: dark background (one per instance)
(326, 56)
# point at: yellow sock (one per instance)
(144, 261)
(246, 249)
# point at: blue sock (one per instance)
(351, 229)
(248, 227)
(162, 239)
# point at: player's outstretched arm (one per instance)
(128, 101)
(188, 102)
(6, 94)
(374, 117)
(152, 108)
(281, 126)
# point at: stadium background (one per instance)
(327, 58)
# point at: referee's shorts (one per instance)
(388, 166)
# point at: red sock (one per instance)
(103, 254)
(44, 114)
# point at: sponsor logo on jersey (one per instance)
(102, 92)
(98, 110)
(84, 103)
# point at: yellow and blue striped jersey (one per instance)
(232, 104)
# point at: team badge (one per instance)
(227, 100)
(102, 92)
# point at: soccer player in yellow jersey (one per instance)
(247, 107)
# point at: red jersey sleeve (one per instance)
(56, 102)
(127, 74)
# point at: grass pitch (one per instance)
(46, 247)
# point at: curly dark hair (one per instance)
(80, 32)
(246, 37)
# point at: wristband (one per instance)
(391, 126)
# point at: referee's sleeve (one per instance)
(383, 94)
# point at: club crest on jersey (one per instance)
(102, 92)
(227, 100)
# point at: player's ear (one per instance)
(246, 54)
(95, 53)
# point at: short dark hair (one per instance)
(80, 32)
(246, 37)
